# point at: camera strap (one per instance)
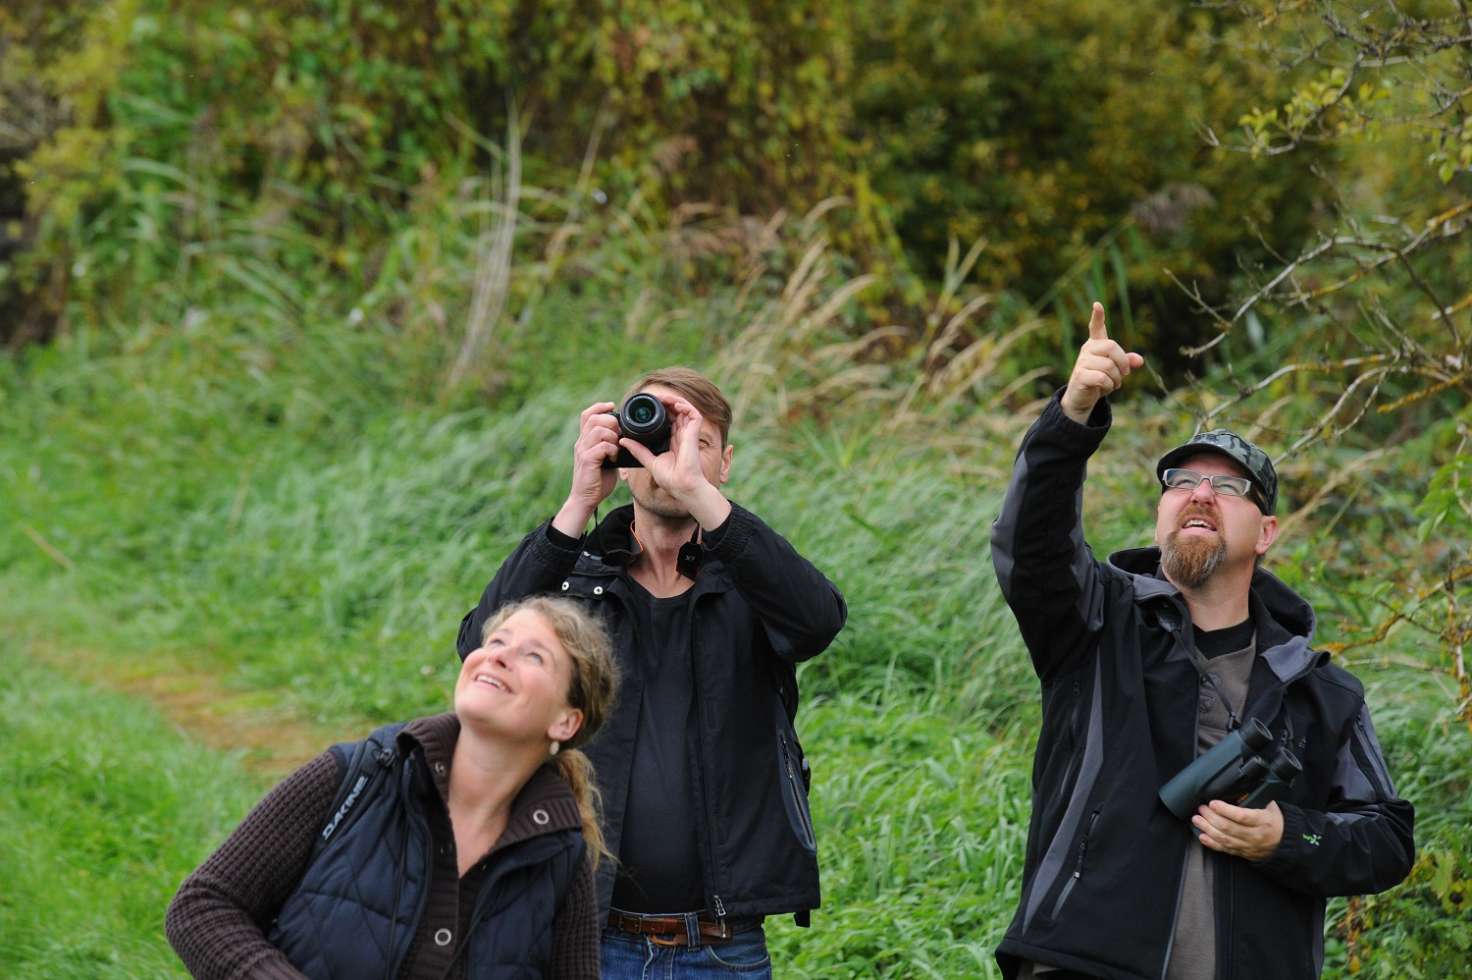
(1203, 667)
(1184, 633)
(689, 557)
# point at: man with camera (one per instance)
(1203, 779)
(703, 782)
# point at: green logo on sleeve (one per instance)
(1313, 839)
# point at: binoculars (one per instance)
(1233, 770)
(644, 420)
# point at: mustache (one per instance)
(1198, 510)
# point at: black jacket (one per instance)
(759, 609)
(1104, 857)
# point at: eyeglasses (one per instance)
(1228, 486)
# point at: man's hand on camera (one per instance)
(591, 483)
(678, 471)
(1250, 834)
(1100, 370)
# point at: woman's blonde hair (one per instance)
(592, 690)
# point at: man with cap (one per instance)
(1146, 661)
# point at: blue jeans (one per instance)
(628, 957)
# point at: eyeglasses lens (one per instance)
(1231, 486)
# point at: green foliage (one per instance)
(1068, 134)
(341, 100)
(1044, 128)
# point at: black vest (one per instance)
(354, 914)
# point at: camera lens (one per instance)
(644, 415)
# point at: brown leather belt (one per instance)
(669, 930)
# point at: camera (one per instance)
(1233, 770)
(645, 420)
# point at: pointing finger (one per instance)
(1097, 329)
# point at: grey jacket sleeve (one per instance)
(1363, 841)
(1047, 573)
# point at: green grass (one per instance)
(104, 808)
(922, 825)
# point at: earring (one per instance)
(555, 747)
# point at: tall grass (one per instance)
(257, 470)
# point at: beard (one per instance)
(657, 501)
(1189, 560)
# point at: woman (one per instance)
(459, 845)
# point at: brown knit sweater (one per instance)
(217, 921)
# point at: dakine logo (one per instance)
(347, 805)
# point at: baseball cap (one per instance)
(1225, 442)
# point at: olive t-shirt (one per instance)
(1230, 653)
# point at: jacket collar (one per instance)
(1283, 619)
(612, 541)
(610, 548)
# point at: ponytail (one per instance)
(576, 768)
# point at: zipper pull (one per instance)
(720, 906)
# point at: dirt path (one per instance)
(272, 737)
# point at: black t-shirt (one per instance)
(1228, 639)
(659, 856)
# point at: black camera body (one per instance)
(645, 420)
(1233, 770)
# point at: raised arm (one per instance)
(799, 609)
(1045, 568)
(545, 557)
(217, 921)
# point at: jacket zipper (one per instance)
(1078, 868)
(797, 796)
(1224, 949)
(1170, 940)
(416, 818)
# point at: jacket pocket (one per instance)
(1078, 866)
(793, 776)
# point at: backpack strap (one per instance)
(357, 765)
